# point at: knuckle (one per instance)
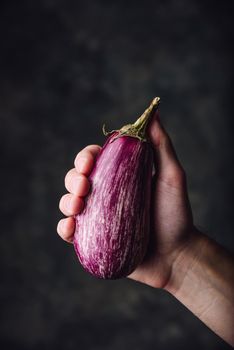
(89, 152)
(68, 177)
(91, 148)
(59, 227)
(62, 203)
(84, 153)
(77, 157)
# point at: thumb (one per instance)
(167, 164)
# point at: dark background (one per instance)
(66, 67)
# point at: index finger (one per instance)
(84, 160)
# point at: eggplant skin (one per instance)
(112, 231)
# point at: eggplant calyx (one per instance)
(137, 129)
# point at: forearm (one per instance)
(202, 279)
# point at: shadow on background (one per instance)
(66, 67)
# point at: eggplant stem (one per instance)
(106, 133)
(144, 119)
(137, 129)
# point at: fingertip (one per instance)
(84, 162)
(157, 115)
(80, 185)
(94, 149)
(77, 183)
(71, 204)
(66, 228)
(169, 167)
(85, 159)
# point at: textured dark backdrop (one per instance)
(65, 68)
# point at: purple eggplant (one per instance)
(112, 231)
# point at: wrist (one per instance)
(185, 260)
(202, 280)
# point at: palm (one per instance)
(171, 216)
(171, 221)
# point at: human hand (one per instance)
(171, 217)
(180, 259)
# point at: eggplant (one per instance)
(112, 231)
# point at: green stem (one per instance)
(137, 129)
(144, 119)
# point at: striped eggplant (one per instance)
(112, 231)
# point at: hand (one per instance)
(188, 264)
(171, 217)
